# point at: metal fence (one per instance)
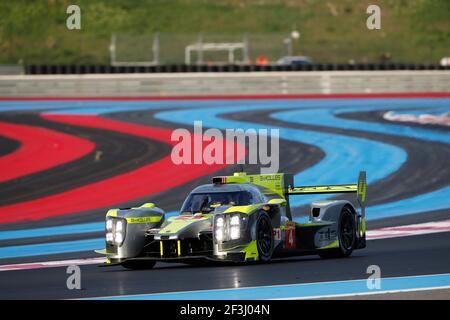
(252, 48)
(201, 48)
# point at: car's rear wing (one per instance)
(359, 188)
(282, 185)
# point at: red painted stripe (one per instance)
(144, 181)
(238, 97)
(40, 149)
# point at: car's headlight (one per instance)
(115, 231)
(220, 222)
(109, 237)
(235, 220)
(219, 228)
(235, 227)
(227, 227)
(219, 235)
(109, 224)
(235, 232)
(119, 226)
(118, 238)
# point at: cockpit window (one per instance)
(207, 202)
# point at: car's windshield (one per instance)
(206, 202)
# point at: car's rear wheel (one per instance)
(346, 236)
(138, 265)
(264, 237)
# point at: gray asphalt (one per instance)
(416, 255)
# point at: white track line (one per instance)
(51, 264)
(368, 293)
(383, 233)
(409, 230)
(441, 119)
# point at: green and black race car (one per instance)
(238, 218)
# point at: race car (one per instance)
(238, 218)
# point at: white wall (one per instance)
(171, 84)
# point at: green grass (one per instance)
(34, 31)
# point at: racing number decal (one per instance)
(277, 234)
(290, 235)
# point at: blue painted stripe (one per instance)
(59, 230)
(51, 248)
(99, 107)
(436, 200)
(306, 290)
(322, 117)
(326, 117)
(55, 247)
(96, 107)
(427, 202)
(345, 156)
(53, 231)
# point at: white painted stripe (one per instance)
(443, 119)
(369, 293)
(409, 230)
(51, 264)
(383, 233)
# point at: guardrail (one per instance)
(89, 69)
(225, 83)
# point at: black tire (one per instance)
(346, 236)
(138, 265)
(264, 237)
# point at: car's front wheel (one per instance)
(264, 237)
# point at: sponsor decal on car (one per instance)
(289, 235)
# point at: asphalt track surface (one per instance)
(424, 171)
(406, 256)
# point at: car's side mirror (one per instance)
(280, 202)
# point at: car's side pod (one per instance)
(134, 222)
